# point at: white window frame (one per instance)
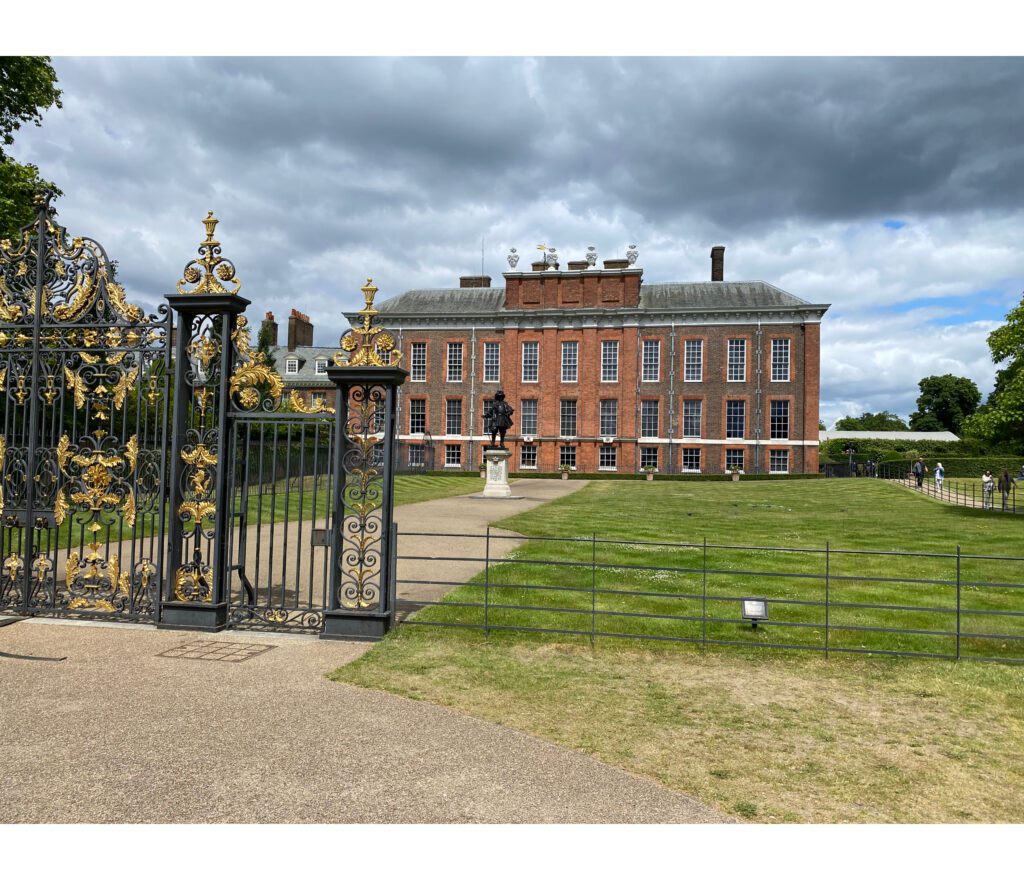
(417, 367)
(318, 397)
(492, 363)
(291, 367)
(609, 360)
(783, 345)
(453, 451)
(447, 416)
(570, 361)
(687, 434)
(771, 420)
(423, 401)
(645, 407)
(320, 367)
(645, 453)
(454, 347)
(565, 453)
(562, 416)
(607, 449)
(524, 428)
(682, 460)
(650, 365)
(742, 453)
(772, 453)
(416, 456)
(743, 433)
(733, 362)
(614, 405)
(533, 347)
(691, 360)
(523, 450)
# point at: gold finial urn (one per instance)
(368, 345)
(211, 271)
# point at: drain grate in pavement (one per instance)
(225, 652)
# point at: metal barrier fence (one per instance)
(913, 604)
(962, 493)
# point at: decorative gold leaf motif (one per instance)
(200, 456)
(252, 370)
(124, 383)
(131, 451)
(63, 452)
(320, 406)
(128, 509)
(60, 507)
(368, 345)
(3, 452)
(125, 309)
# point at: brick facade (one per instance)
(548, 307)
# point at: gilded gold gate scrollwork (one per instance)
(94, 462)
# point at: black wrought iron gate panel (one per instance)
(83, 403)
(281, 499)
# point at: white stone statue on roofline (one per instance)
(631, 254)
(591, 256)
(513, 258)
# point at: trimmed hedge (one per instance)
(557, 475)
(955, 466)
(664, 477)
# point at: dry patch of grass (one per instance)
(765, 738)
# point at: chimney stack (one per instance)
(718, 262)
(271, 325)
(474, 281)
(300, 330)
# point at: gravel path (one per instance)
(118, 733)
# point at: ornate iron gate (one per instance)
(185, 489)
(83, 405)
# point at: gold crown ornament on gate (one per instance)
(368, 345)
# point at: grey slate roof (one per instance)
(675, 296)
(716, 295)
(307, 355)
(445, 301)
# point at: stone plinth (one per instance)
(497, 472)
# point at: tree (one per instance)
(27, 87)
(944, 403)
(1001, 419)
(880, 421)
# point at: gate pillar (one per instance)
(361, 604)
(195, 593)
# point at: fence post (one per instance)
(593, 588)
(957, 601)
(487, 582)
(828, 574)
(704, 601)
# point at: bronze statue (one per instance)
(498, 417)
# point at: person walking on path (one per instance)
(940, 475)
(988, 486)
(919, 471)
(1006, 484)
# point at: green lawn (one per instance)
(768, 735)
(662, 582)
(309, 497)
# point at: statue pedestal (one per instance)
(497, 472)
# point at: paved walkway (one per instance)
(121, 732)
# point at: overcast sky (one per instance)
(890, 188)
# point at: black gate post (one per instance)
(195, 590)
(361, 604)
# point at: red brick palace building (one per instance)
(608, 373)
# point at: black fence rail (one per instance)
(950, 605)
(962, 493)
